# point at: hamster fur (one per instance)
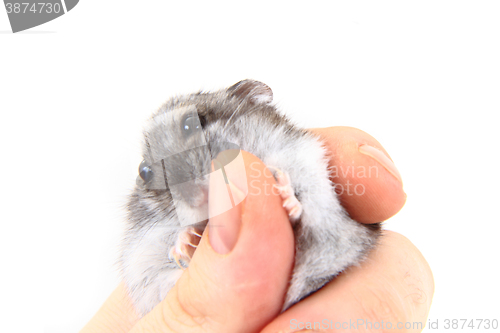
(326, 239)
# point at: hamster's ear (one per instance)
(257, 92)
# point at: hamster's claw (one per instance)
(175, 255)
(284, 187)
(181, 250)
(193, 231)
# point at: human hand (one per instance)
(243, 289)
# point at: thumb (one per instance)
(238, 276)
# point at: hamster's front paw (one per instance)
(184, 247)
(284, 187)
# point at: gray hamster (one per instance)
(166, 217)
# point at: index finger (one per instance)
(367, 181)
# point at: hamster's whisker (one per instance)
(234, 113)
(228, 128)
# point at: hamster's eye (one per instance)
(190, 125)
(145, 172)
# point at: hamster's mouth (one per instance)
(201, 199)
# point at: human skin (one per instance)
(238, 277)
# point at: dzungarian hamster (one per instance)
(167, 210)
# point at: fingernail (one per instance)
(381, 158)
(225, 217)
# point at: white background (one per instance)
(423, 78)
